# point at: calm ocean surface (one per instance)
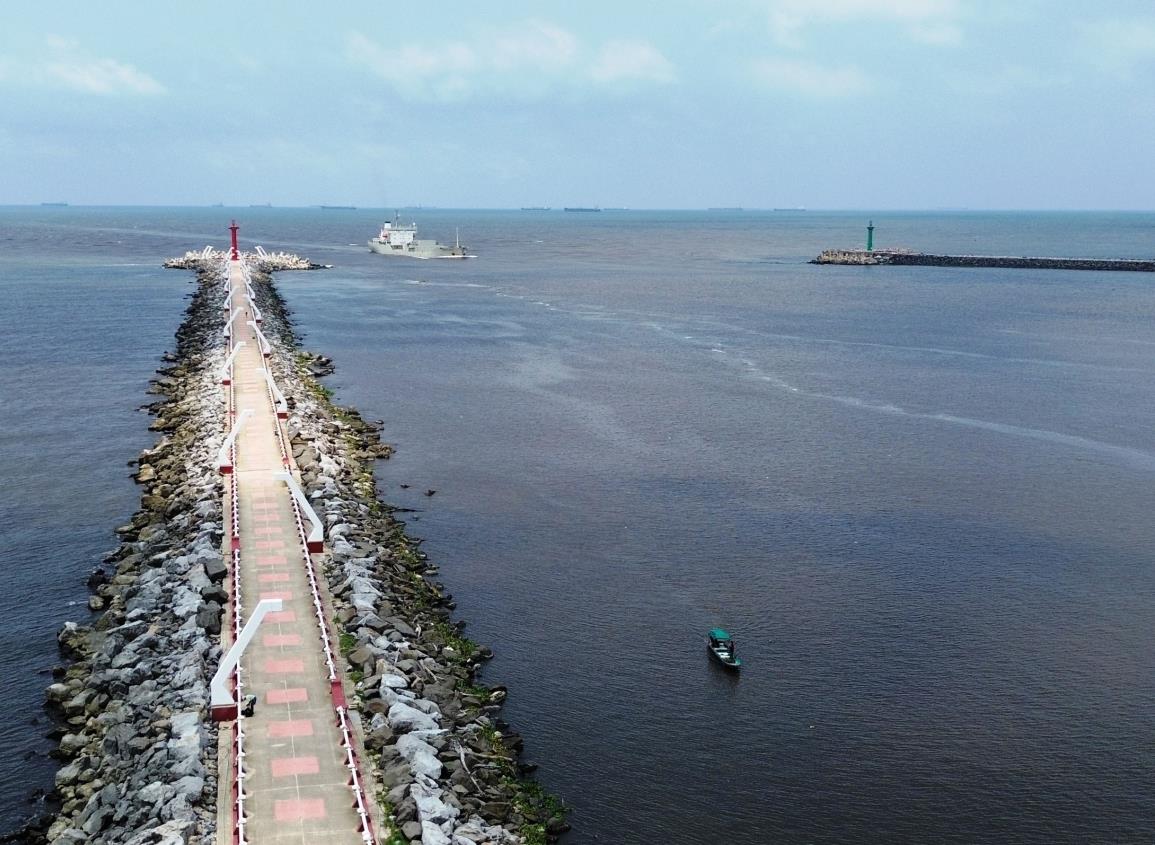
(920, 498)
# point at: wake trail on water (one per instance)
(1134, 458)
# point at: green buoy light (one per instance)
(870, 236)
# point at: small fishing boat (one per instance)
(721, 647)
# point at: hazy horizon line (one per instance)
(601, 209)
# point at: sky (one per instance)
(863, 104)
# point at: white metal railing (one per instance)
(224, 456)
(360, 804)
(280, 406)
(224, 375)
(266, 349)
(228, 329)
(219, 696)
(314, 589)
(316, 535)
(240, 833)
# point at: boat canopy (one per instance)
(719, 634)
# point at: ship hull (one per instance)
(418, 249)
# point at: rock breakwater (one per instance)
(861, 257)
(262, 260)
(140, 751)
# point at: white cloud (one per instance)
(534, 44)
(930, 21)
(65, 65)
(810, 79)
(525, 59)
(102, 76)
(1119, 45)
(631, 60)
(413, 61)
(517, 58)
(68, 66)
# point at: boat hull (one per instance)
(734, 664)
(418, 249)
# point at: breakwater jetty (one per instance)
(862, 257)
(272, 657)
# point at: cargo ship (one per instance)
(396, 238)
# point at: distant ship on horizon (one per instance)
(339, 207)
(536, 208)
(579, 208)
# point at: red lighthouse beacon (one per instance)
(236, 256)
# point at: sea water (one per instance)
(918, 498)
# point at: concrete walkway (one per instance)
(296, 772)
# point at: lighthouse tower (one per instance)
(869, 237)
(234, 228)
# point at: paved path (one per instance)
(296, 772)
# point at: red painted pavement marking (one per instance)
(292, 695)
(296, 809)
(281, 616)
(284, 767)
(283, 595)
(270, 577)
(290, 727)
(269, 545)
(271, 560)
(277, 640)
(284, 667)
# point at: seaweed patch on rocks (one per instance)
(132, 706)
(447, 766)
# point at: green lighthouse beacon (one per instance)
(870, 236)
